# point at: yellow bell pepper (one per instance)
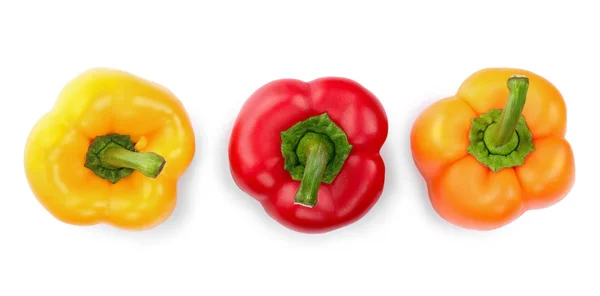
(110, 151)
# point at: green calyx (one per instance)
(113, 157)
(314, 151)
(500, 138)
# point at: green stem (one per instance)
(500, 138)
(317, 149)
(314, 150)
(113, 157)
(502, 133)
(149, 164)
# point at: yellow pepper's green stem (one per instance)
(149, 164)
(113, 157)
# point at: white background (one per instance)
(219, 241)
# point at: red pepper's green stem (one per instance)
(149, 164)
(314, 150)
(500, 137)
(317, 149)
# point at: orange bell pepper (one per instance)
(111, 150)
(495, 149)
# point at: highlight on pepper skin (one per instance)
(309, 152)
(110, 151)
(495, 149)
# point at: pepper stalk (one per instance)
(500, 138)
(113, 157)
(314, 150)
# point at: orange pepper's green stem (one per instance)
(500, 137)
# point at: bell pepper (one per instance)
(110, 151)
(495, 149)
(309, 152)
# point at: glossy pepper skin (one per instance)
(259, 167)
(465, 190)
(111, 106)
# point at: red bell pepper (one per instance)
(309, 152)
